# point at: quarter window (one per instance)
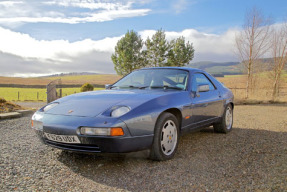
(201, 79)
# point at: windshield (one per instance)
(154, 78)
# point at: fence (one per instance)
(259, 94)
(31, 94)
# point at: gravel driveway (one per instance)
(252, 157)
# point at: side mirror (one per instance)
(203, 88)
(200, 88)
(108, 86)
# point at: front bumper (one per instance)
(70, 125)
(98, 144)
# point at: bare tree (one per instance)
(252, 42)
(279, 53)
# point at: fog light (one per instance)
(114, 131)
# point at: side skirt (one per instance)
(198, 126)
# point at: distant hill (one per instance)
(228, 68)
(71, 74)
(217, 68)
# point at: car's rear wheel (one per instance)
(166, 137)
(225, 124)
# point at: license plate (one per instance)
(62, 138)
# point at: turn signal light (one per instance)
(117, 131)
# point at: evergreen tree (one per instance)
(127, 56)
(180, 53)
(157, 50)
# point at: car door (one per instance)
(204, 105)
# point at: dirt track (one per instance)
(252, 157)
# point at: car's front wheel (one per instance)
(225, 124)
(166, 137)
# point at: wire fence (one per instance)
(27, 94)
(32, 94)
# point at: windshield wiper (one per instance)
(130, 86)
(113, 86)
(143, 87)
(167, 87)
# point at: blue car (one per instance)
(147, 109)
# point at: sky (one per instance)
(39, 37)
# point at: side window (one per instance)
(201, 79)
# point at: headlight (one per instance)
(120, 111)
(49, 106)
(114, 131)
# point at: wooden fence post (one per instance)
(18, 96)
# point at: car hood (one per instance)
(91, 104)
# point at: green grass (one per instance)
(30, 94)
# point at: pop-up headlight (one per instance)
(120, 111)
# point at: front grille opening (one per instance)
(74, 147)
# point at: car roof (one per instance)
(182, 68)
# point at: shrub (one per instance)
(87, 87)
(2, 100)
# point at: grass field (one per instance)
(28, 94)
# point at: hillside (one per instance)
(224, 68)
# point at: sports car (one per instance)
(147, 109)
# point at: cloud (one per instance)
(94, 61)
(97, 17)
(180, 5)
(27, 47)
(22, 54)
(63, 11)
(9, 3)
(90, 4)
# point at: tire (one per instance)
(225, 124)
(166, 137)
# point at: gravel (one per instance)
(253, 157)
(31, 104)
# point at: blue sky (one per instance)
(52, 36)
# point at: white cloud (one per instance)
(97, 17)
(24, 54)
(90, 4)
(9, 3)
(25, 46)
(61, 11)
(180, 5)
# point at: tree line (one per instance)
(260, 37)
(131, 52)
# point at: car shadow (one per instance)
(242, 158)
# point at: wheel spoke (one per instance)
(169, 137)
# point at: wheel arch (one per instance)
(176, 112)
(232, 104)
